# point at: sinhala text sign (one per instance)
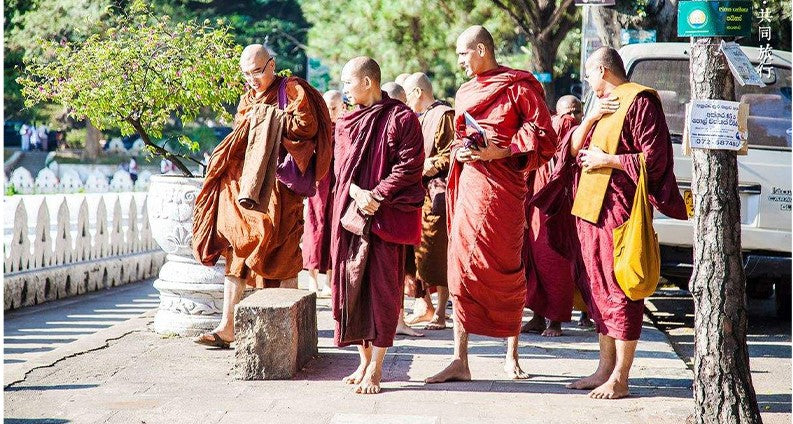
(716, 124)
(714, 18)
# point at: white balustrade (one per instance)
(62, 245)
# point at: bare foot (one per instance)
(357, 376)
(535, 325)
(588, 383)
(553, 330)
(370, 384)
(403, 329)
(513, 370)
(456, 371)
(611, 389)
(417, 316)
(437, 323)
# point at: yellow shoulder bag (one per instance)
(637, 257)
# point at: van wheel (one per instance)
(782, 289)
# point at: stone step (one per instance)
(275, 332)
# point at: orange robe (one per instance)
(271, 251)
(485, 200)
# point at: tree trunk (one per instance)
(543, 56)
(723, 390)
(92, 136)
(159, 150)
(660, 15)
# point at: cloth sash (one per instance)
(593, 184)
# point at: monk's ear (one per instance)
(480, 48)
(367, 82)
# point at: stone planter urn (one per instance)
(191, 294)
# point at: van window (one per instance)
(769, 107)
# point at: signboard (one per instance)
(740, 66)
(543, 77)
(716, 124)
(714, 18)
(317, 74)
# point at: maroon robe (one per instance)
(644, 131)
(316, 235)
(550, 277)
(379, 148)
(485, 200)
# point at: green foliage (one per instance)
(10, 190)
(139, 73)
(404, 36)
(75, 138)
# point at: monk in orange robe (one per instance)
(485, 198)
(550, 277)
(246, 211)
(601, 205)
(376, 213)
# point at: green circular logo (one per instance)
(697, 19)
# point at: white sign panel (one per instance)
(714, 124)
(740, 66)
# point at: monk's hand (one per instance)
(605, 107)
(490, 152)
(464, 155)
(593, 158)
(364, 200)
(429, 168)
(247, 203)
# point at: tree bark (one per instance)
(723, 390)
(92, 136)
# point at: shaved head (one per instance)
(395, 91)
(474, 36)
(364, 66)
(420, 80)
(608, 58)
(400, 79)
(335, 102)
(258, 66)
(361, 80)
(568, 103)
(255, 53)
(333, 96)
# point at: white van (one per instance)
(764, 174)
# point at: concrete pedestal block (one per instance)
(275, 332)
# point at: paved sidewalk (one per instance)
(128, 374)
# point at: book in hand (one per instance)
(471, 122)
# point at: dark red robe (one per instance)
(485, 200)
(550, 277)
(379, 148)
(316, 234)
(644, 131)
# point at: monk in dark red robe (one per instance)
(604, 195)
(550, 278)
(485, 198)
(376, 212)
(316, 237)
(245, 212)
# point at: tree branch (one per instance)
(160, 150)
(520, 22)
(557, 16)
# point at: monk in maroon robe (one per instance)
(618, 319)
(485, 198)
(550, 278)
(316, 235)
(376, 212)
